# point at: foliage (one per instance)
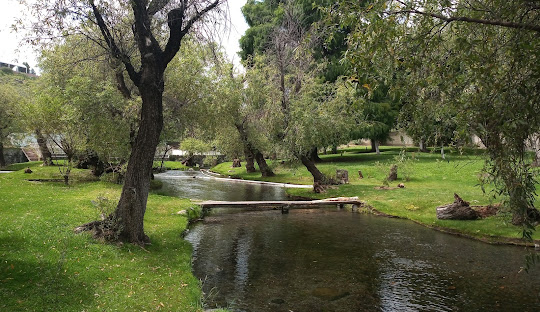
(462, 67)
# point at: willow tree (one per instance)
(477, 59)
(144, 36)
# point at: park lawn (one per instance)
(44, 266)
(431, 182)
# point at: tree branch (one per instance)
(450, 19)
(115, 51)
(177, 32)
(156, 6)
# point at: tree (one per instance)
(476, 59)
(11, 87)
(145, 57)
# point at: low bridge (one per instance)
(340, 202)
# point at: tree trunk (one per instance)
(43, 148)
(318, 176)
(422, 146)
(334, 149)
(2, 159)
(375, 147)
(443, 156)
(249, 151)
(250, 162)
(314, 155)
(129, 213)
(536, 147)
(263, 166)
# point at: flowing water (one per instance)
(335, 260)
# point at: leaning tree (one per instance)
(144, 36)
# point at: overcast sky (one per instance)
(12, 51)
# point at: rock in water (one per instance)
(458, 210)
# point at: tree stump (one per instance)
(318, 187)
(458, 210)
(393, 173)
(342, 176)
(360, 175)
(236, 163)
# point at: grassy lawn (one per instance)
(431, 182)
(44, 266)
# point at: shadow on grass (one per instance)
(35, 285)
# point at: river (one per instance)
(335, 260)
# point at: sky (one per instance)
(13, 51)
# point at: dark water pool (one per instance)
(335, 260)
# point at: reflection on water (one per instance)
(329, 260)
(194, 185)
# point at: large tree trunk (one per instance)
(263, 166)
(314, 155)
(129, 213)
(43, 148)
(248, 148)
(2, 159)
(318, 176)
(250, 160)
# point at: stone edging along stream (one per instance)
(217, 176)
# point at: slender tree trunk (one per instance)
(318, 176)
(314, 155)
(263, 166)
(422, 146)
(375, 147)
(131, 207)
(43, 148)
(536, 147)
(334, 149)
(443, 156)
(2, 159)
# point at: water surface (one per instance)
(335, 260)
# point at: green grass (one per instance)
(432, 182)
(44, 266)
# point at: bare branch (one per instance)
(507, 24)
(115, 51)
(156, 6)
(178, 30)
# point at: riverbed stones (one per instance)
(458, 210)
